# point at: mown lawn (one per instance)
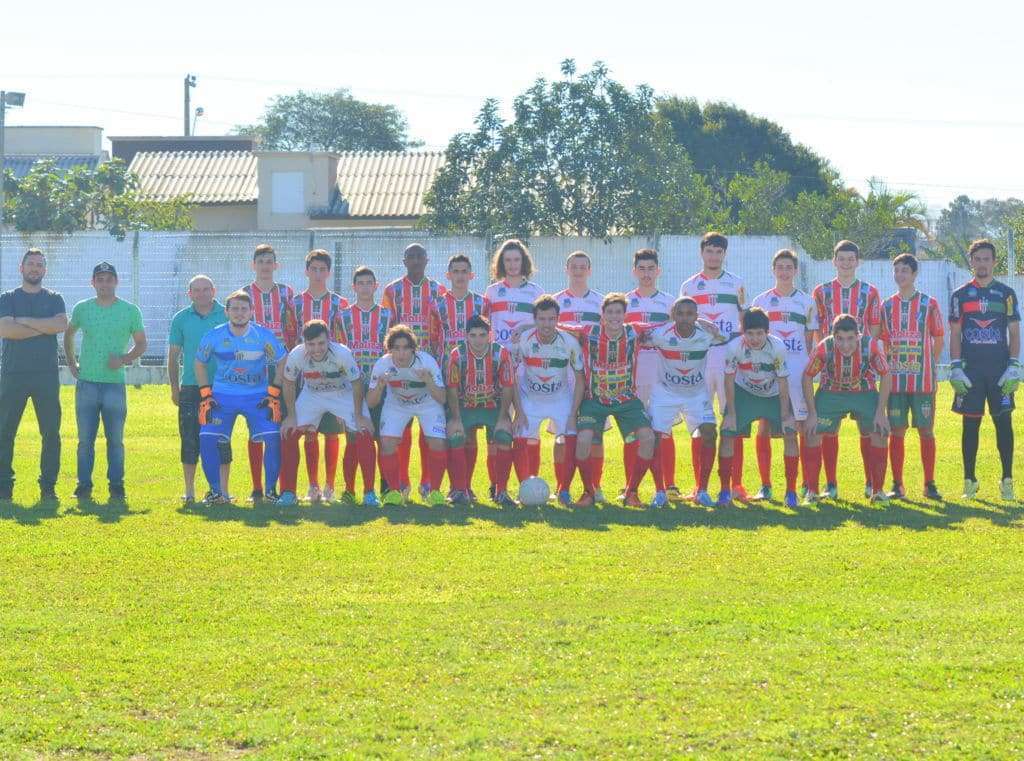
(323, 632)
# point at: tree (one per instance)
(756, 200)
(966, 219)
(582, 155)
(329, 121)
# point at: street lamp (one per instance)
(6, 99)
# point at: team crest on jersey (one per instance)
(700, 285)
(673, 341)
(567, 302)
(775, 301)
(535, 346)
(501, 291)
(634, 301)
(972, 292)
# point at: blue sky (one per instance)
(926, 96)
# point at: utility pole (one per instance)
(1011, 253)
(190, 82)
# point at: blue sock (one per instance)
(209, 454)
(271, 461)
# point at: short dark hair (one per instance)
(785, 253)
(400, 331)
(460, 258)
(979, 245)
(478, 321)
(613, 298)
(645, 255)
(908, 259)
(318, 255)
(846, 245)
(498, 261)
(712, 238)
(362, 270)
(684, 301)
(264, 248)
(239, 295)
(755, 318)
(414, 248)
(313, 329)
(578, 255)
(33, 252)
(844, 322)
(545, 303)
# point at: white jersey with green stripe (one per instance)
(791, 316)
(507, 306)
(547, 367)
(682, 360)
(757, 369)
(719, 300)
(579, 310)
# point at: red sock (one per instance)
(502, 468)
(567, 461)
(830, 456)
(332, 445)
(438, 459)
(389, 465)
(471, 455)
(812, 468)
(878, 472)
(404, 453)
(792, 470)
(289, 463)
(311, 448)
(521, 458)
(928, 458)
(629, 457)
(427, 477)
(597, 466)
(533, 449)
(457, 468)
(586, 468)
(805, 465)
(737, 463)
(865, 456)
(897, 454)
(696, 445)
(641, 466)
(256, 464)
(657, 467)
(367, 456)
(707, 463)
(350, 462)
(764, 458)
(668, 459)
(725, 470)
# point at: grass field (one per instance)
(149, 631)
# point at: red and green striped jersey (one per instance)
(860, 300)
(857, 372)
(609, 364)
(908, 327)
(270, 307)
(412, 304)
(305, 307)
(363, 331)
(448, 323)
(480, 379)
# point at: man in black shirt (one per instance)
(30, 319)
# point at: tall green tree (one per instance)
(582, 155)
(329, 121)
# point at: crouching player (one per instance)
(681, 391)
(480, 381)
(854, 381)
(332, 384)
(410, 383)
(757, 388)
(243, 352)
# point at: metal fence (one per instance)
(154, 268)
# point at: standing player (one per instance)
(854, 381)
(317, 302)
(845, 294)
(332, 384)
(364, 326)
(411, 300)
(794, 320)
(984, 346)
(480, 380)
(912, 330)
(271, 303)
(721, 299)
(414, 388)
(241, 386)
(757, 388)
(551, 386)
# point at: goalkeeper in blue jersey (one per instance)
(243, 351)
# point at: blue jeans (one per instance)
(92, 402)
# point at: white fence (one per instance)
(154, 268)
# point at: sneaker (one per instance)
(394, 497)
(880, 499)
(791, 499)
(660, 500)
(586, 499)
(931, 491)
(272, 498)
(436, 498)
(810, 498)
(673, 493)
(215, 498)
(503, 500)
(724, 498)
(897, 491)
(764, 494)
(313, 494)
(328, 495)
(831, 491)
(631, 499)
(287, 499)
(188, 499)
(740, 493)
(83, 493)
(459, 497)
(565, 498)
(47, 494)
(117, 493)
(1006, 490)
(702, 498)
(256, 496)
(970, 488)
(599, 497)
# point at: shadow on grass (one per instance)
(30, 514)
(34, 514)
(111, 511)
(824, 516)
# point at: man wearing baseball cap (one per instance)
(107, 324)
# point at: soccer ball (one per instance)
(534, 491)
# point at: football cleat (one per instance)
(764, 494)
(931, 491)
(792, 500)
(394, 497)
(673, 493)
(272, 497)
(328, 495)
(831, 491)
(970, 488)
(599, 496)
(724, 498)
(631, 499)
(215, 498)
(370, 499)
(660, 500)
(740, 493)
(287, 499)
(255, 496)
(1006, 490)
(565, 498)
(701, 497)
(810, 498)
(459, 497)
(436, 498)
(424, 491)
(868, 492)
(349, 498)
(897, 491)
(313, 494)
(504, 500)
(880, 499)
(586, 500)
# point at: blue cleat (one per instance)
(703, 499)
(660, 500)
(288, 498)
(370, 499)
(565, 499)
(764, 494)
(792, 500)
(724, 498)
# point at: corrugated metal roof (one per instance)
(22, 165)
(385, 183)
(207, 176)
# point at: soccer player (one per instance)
(854, 381)
(317, 302)
(414, 388)
(794, 320)
(411, 300)
(913, 333)
(551, 386)
(984, 346)
(720, 299)
(480, 385)
(845, 294)
(681, 390)
(241, 386)
(364, 326)
(757, 388)
(609, 364)
(271, 304)
(332, 384)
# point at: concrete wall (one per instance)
(290, 184)
(224, 217)
(33, 141)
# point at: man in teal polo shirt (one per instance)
(187, 329)
(107, 324)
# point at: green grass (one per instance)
(324, 632)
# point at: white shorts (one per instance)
(647, 365)
(796, 366)
(394, 418)
(310, 407)
(556, 411)
(667, 409)
(715, 374)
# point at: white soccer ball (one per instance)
(534, 491)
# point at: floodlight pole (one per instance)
(190, 82)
